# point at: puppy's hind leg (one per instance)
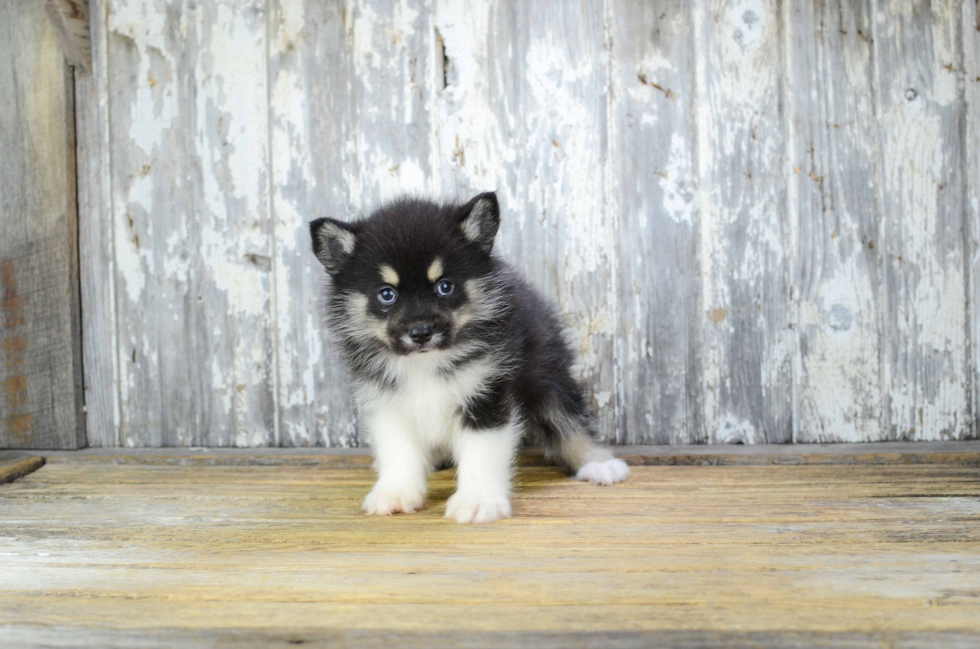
(569, 439)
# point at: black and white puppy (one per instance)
(452, 356)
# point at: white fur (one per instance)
(402, 463)
(604, 472)
(418, 422)
(486, 460)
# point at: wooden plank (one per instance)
(971, 200)
(18, 465)
(745, 237)
(523, 111)
(391, 74)
(873, 551)
(70, 20)
(655, 193)
(73, 636)
(953, 453)
(833, 199)
(97, 263)
(40, 372)
(193, 239)
(310, 125)
(921, 128)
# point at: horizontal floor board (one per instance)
(96, 553)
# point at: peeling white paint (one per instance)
(203, 158)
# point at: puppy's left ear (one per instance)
(333, 243)
(479, 220)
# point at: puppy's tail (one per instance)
(570, 440)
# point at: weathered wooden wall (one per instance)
(40, 338)
(759, 219)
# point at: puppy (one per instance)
(452, 356)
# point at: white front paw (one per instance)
(387, 499)
(473, 507)
(605, 472)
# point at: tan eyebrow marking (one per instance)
(388, 274)
(435, 269)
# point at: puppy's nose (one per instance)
(420, 333)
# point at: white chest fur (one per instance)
(426, 400)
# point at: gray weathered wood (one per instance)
(833, 203)
(655, 193)
(193, 239)
(70, 20)
(751, 232)
(310, 113)
(95, 232)
(971, 200)
(745, 243)
(921, 127)
(40, 366)
(391, 72)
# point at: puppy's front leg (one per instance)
(485, 461)
(402, 464)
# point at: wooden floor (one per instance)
(157, 550)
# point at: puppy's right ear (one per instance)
(333, 243)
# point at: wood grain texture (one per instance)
(751, 231)
(832, 552)
(68, 636)
(70, 20)
(95, 232)
(40, 362)
(921, 122)
(310, 113)
(391, 54)
(17, 466)
(655, 193)
(970, 24)
(749, 343)
(878, 453)
(193, 240)
(834, 206)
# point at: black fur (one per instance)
(506, 321)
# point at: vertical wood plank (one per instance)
(310, 113)
(971, 203)
(97, 263)
(524, 112)
(193, 251)
(921, 124)
(744, 233)
(656, 194)
(391, 60)
(834, 190)
(41, 403)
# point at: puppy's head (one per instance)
(413, 276)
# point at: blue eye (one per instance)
(387, 295)
(444, 287)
